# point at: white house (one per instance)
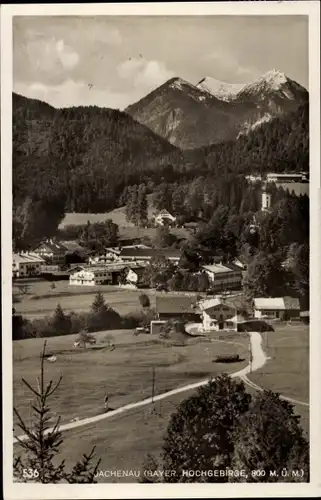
(132, 277)
(217, 315)
(26, 265)
(164, 217)
(113, 254)
(277, 308)
(105, 256)
(91, 276)
(223, 277)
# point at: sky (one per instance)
(113, 61)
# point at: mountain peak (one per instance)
(178, 83)
(275, 77)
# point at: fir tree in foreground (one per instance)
(42, 442)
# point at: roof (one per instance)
(164, 212)
(277, 303)
(53, 246)
(238, 318)
(217, 268)
(176, 304)
(118, 250)
(295, 175)
(112, 267)
(150, 252)
(72, 246)
(27, 258)
(209, 304)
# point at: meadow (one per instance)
(127, 230)
(287, 370)
(41, 300)
(125, 373)
(123, 441)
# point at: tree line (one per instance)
(84, 159)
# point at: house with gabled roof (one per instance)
(175, 307)
(218, 315)
(283, 308)
(26, 264)
(164, 217)
(52, 251)
(223, 277)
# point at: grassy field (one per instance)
(89, 373)
(127, 230)
(287, 370)
(118, 216)
(118, 446)
(42, 301)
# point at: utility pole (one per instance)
(153, 384)
(251, 357)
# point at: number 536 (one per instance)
(30, 473)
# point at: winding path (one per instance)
(258, 361)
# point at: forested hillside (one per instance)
(85, 155)
(82, 160)
(277, 146)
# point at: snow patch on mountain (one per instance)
(221, 90)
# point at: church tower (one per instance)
(266, 200)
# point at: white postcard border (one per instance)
(35, 491)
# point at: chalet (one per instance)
(164, 218)
(174, 307)
(112, 254)
(223, 277)
(114, 273)
(283, 308)
(91, 276)
(143, 255)
(26, 265)
(218, 315)
(106, 256)
(52, 252)
(132, 277)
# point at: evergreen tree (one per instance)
(200, 433)
(61, 323)
(42, 442)
(102, 316)
(99, 303)
(268, 438)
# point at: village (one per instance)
(158, 274)
(213, 303)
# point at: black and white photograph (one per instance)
(160, 251)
